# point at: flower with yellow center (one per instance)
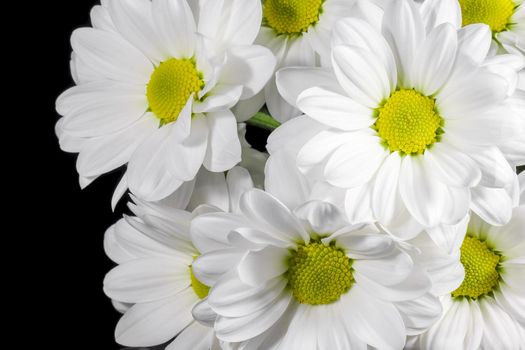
(278, 280)
(488, 296)
(152, 94)
(298, 33)
(399, 120)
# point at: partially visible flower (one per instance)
(414, 135)
(155, 84)
(486, 309)
(298, 33)
(154, 284)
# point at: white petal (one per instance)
(291, 81)
(358, 202)
(209, 232)
(385, 196)
(387, 270)
(258, 267)
(230, 297)
(286, 136)
(419, 314)
(361, 74)
(421, 194)
(134, 21)
(365, 244)
(353, 31)
(474, 41)
(496, 170)
(212, 266)
(265, 209)
(210, 188)
(221, 97)
(279, 109)
(432, 67)
(436, 12)
(451, 331)
(110, 56)
(492, 204)
(239, 181)
(375, 322)
(195, 337)
(355, 162)
(103, 154)
(230, 23)
(403, 29)
(175, 26)
(147, 280)
(224, 148)
(248, 66)
(157, 322)
(284, 181)
(243, 328)
(334, 109)
(321, 217)
(106, 109)
(452, 166)
(500, 330)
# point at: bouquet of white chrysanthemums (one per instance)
(388, 212)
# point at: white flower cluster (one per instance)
(387, 214)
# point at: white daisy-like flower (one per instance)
(298, 33)
(406, 122)
(487, 309)
(306, 278)
(154, 284)
(155, 84)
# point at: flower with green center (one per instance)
(319, 274)
(291, 16)
(306, 270)
(171, 85)
(495, 13)
(481, 269)
(408, 122)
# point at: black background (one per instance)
(65, 307)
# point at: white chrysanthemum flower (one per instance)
(307, 279)
(298, 33)
(154, 285)
(487, 308)
(409, 123)
(155, 84)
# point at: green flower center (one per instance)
(408, 122)
(199, 288)
(495, 13)
(170, 87)
(319, 274)
(291, 16)
(481, 265)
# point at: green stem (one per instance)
(263, 121)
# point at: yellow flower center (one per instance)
(495, 13)
(291, 16)
(170, 87)
(199, 288)
(481, 265)
(408, 122)
(319, 274)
